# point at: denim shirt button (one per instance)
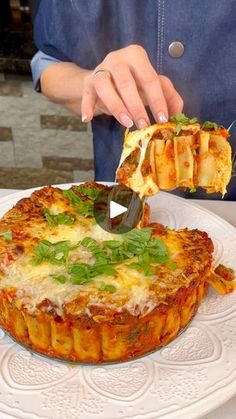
(176, 49)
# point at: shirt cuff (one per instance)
(39, 63)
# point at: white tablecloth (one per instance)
(226, 210)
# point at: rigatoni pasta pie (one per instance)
(72, 291)
(178, 154)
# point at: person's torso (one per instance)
(84, 32)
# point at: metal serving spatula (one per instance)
(232, 140)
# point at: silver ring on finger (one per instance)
(100, 71)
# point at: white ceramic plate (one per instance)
(187, 379)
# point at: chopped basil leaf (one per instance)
(143, 267)
(95, 248)
(192, 190)
(72, 196)
(91, 193)
(210, 125)
(138, 236)
(78, 269)
(55, 219)
(54, 253)
(80, 280)
(82, 273)
(6, 234)
(183, 119)
(50, 219)
(84, 202)
(193, 120)
(105, 269)
(83, 207)
(178, 128)
(173, 266)
(91, 244)
(59, 278)
(112, 244)
(65, 219)
(107, 287)
(138, 245)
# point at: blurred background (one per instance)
(40, 142)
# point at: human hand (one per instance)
(123, 84)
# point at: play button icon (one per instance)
(118, 209)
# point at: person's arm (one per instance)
(39, 63)
(122, 85)
(63, 83)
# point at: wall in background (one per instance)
(40, 142)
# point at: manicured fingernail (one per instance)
(161, 118)
(142, 123)
(84, 118)
(125, 120)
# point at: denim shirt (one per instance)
(84, 32)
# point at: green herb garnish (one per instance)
(91, 193)
(143, 267)
(173, 266)
(192, 190)
(112, 244)
(138, 245)
(65, 219)
(83, 201)
(83, 207)
(55, 219)
(50, 218)
(54, 253)
(82, 273)
(59, 278)
(181, 120)
(178, 128)
(107, 287)
(211, 125)
(92, 245)
(6, 234)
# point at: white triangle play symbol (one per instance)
(116, 209)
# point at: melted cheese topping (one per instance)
(200, 158)
(144, 185)
(34, 283)
(135, 291)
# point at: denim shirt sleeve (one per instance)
(39, 63)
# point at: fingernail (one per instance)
(84, 118)
(142, 123)
(126, 121)
(161, 118)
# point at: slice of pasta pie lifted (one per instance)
(178, 154)
(70, 290)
